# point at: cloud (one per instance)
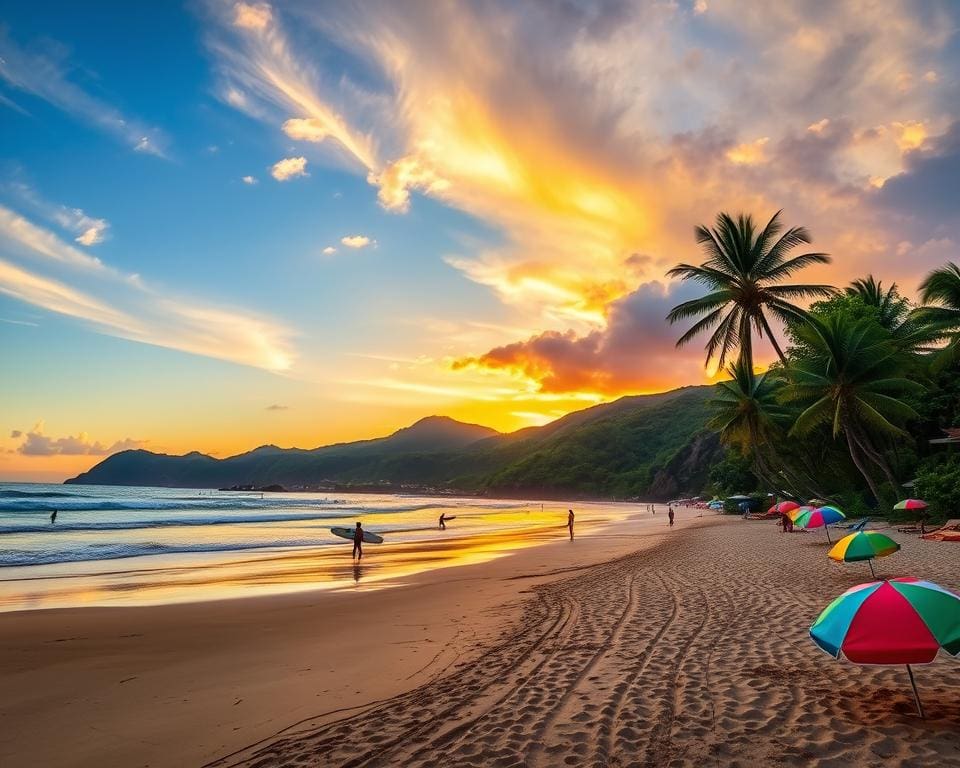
(18, 322)
(43, 74)
(251, 180)
(126, 306)
(276, 407)
(36, 443)
(26, 236)
(356, 241)
(929, 187)
(636, 351)
(749, 153)
(289, 168)
(329, 250)
(252, 16)
(262, 77)
(580, 134)
(15, 433)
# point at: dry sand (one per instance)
(686, 647)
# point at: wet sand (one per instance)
(631, 647)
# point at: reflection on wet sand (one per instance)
(206, 576)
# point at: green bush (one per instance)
(938, 484)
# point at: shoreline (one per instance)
(533, 496)
(189, 682)
(643, 647)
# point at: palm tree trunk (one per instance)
(746, 344)
(876, 457)
(773, 339)
(858, 461)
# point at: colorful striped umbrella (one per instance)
(783, 506)
(805, 517)
(896, 621)
(910, 504)
(863, 545)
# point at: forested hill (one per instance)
(643, 445)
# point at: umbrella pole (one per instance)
(872, 572)
(827, 529)
(916, 695)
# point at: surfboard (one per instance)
(449, 518)
(347, 533)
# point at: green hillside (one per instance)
(635, 446)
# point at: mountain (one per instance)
(630, 447)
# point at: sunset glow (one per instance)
(298, 224)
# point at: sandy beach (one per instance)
(627, 647)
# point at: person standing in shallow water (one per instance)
(670, 516)
(53, 518)
(570, 517)
(358, 542)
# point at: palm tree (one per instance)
(742, 271)
(892, 308)
(942, 286)
(942, 289)
(748, 414)
(849, 377)
(909, 331)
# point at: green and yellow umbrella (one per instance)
(863, 545)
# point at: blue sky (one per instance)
(518, 180)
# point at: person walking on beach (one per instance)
(358, 542)
(53, 518)
(443, 525)
(670, 516)
(570, 517)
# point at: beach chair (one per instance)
(949, 531)
(850, 523)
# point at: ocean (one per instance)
(140, 546)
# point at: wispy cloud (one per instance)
(27, 236)
(88, 230)
(42, 72)
(261, 73)
(277, 407)
(126, 306)
(289, 168)
(251, 180)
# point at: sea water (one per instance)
(132, 545)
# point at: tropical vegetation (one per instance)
(862, 381)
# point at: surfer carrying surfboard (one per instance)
(358, 542)
(443, 525)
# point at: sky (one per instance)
(227, 224)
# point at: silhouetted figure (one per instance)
(53, 518)
(443, 525)
(358, 542)
(670, 516)
(570, 517)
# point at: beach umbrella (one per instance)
(863, 545)
(910, 504)
(895, 621)
(814, 518)
(783, 506)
